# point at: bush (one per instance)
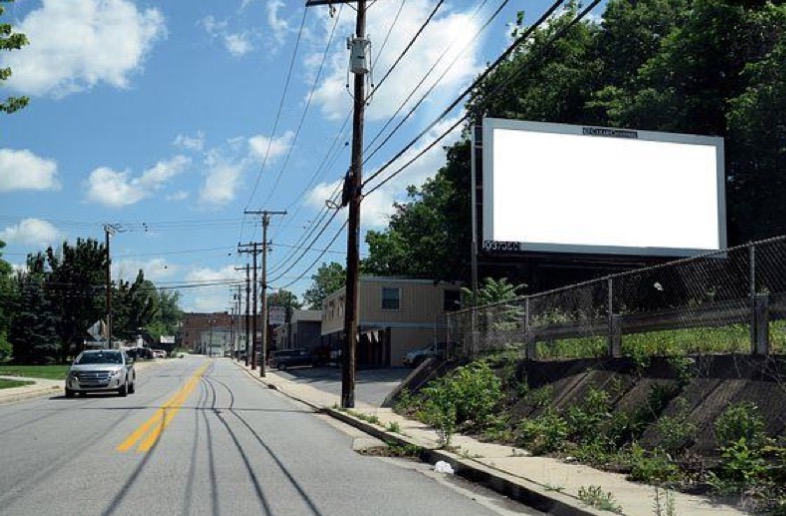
(741, 421)
(655, 467)
(544, 434)
(676, 432)
(470, 394)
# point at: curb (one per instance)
(522, 490)
(525, 491)
(29, 394)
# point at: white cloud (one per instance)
(112, 188)
(155, 269)
(278, 26)
(447, 28)
(79, 44)
(211, 299)
(192, 143)
(222, 179)
(258, 146)
(23, 170)
(162, 172)
(33, 232)
(238, 44)
(322, 192)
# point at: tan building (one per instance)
(395, 316)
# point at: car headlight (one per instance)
(115, 372)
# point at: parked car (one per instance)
(159, 353)
(287, 358)
(416, 356)
(101, 370)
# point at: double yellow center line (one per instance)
(148, 433)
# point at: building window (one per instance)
(391, 298)
(451, 300)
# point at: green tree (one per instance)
(10, 40)
(32, 329)
(133, 306)
(429, 236)
(757, 129)
(75, 284)
(328, 279)
(546, 79)
(7, 300)
(491, 291)
(168, 315)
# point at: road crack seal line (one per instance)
(147, 434)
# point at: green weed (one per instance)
(594, 496)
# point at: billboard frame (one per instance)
(492, 247)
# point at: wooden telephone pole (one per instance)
(253, 248)
(360, 67)
(248, 306)
(265, 223)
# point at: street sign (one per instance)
(277, 315)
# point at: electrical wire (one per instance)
(493, 92)
(428, 92)
(310, 267)
(306, 108)
(321, 232)
(406, 50)
(278, 113)
(523, 37)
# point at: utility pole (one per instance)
(265, 223)
(253, 248)
(360, 66)
(109, 229)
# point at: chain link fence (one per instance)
(732, 301)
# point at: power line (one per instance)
(280, 109)
(406, 49)
(321, 232)
(305, 271)
(306, 108)
(423, 79)
(522, 38)
(493, 92)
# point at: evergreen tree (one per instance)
(32, 329)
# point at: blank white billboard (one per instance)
(565, 188)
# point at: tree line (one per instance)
(47, 308)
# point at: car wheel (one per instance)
(69, 393)
(123, 390)
(132, 388)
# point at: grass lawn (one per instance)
(51, 372)
(7, 384)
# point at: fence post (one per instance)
(531, 350)
(614, 348)
(761, 316)
(760, 312)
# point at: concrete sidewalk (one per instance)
(40, 387)
(547, 484)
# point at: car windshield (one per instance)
(100, 358)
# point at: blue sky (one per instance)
(167, 120)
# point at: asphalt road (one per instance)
(371, 385)
(202, 437)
